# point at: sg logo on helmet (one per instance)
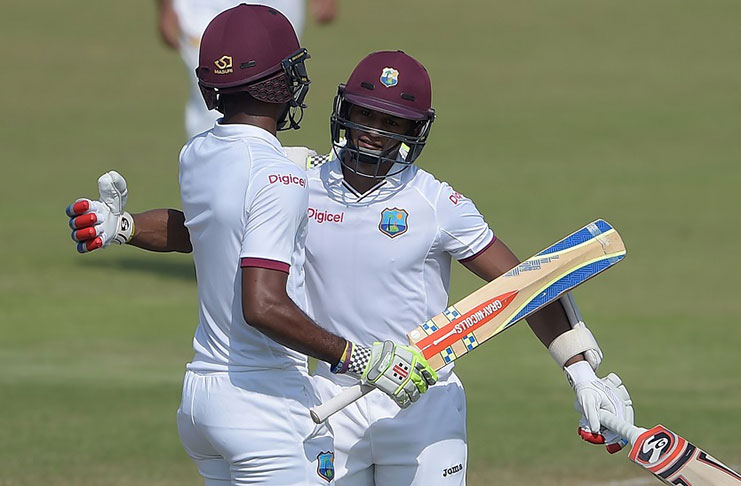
(224, 65)
(389, 77)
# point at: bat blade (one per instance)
(528, 287)
(496, 306)
(671, 458)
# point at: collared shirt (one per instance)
(378, 264)
(245, 205)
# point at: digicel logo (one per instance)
(456, 197)
(287, 179)
(321, 216)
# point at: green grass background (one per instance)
(551, 114)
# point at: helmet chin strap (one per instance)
(290, 118)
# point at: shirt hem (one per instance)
(468, 259)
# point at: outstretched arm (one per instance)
(97, 224)
(161, 230)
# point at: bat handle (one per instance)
(620, 426)
(322, 412)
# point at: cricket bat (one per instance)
(671, 458)
(526, 288)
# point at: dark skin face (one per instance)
(373, 141)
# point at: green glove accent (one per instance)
(400, 371)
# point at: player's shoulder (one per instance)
(425, 182)
(277, 169)
(193, 144)
(436, 191)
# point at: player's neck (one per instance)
(361, 184)
(243, 109)
(265, 122)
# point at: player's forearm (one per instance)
(161, 230)
(267, 307)
(285, 323)
(549, 323)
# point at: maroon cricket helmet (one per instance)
(391, 82)
(252, 48)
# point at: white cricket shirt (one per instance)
(378, 264)
(245, 205)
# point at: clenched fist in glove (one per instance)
(97, 224)
(594, 394)
(399, 371)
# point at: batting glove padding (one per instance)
(97, 224)
(593, 394)
(399, 371)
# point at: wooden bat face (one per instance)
(528, 287)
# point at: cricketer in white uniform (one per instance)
(262, 387)
(386, 260)
(382, 235)
(242, 413)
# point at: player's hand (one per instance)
(399, 371)
(97, 224)
(323, 11)
(168, 24)
(593, 394)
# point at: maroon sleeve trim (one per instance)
(264, 263)
(468, 259)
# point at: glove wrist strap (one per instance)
(578, 373)
(344, 362)
(359, 358)
(125, 230)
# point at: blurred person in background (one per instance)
(181, 25)
(381, 239)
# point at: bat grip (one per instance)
(620, 426)
(322, 412)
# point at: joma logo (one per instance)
(452, 470)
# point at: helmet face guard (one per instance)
(396, 158)
(298, 80)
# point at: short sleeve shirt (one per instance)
(378, 264)
(245, 205)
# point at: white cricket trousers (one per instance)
(254, 427)
(379, 444)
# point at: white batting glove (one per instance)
(97, 224)
(399, 371)
(593, 394)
